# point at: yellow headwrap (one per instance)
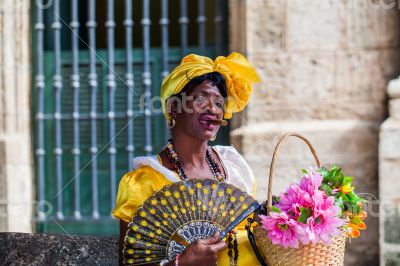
(239, 76)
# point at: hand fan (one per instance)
(180, 213)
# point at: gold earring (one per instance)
(172, 123)
(213, 138)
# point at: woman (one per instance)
(196, 94)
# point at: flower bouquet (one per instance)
(308, 223)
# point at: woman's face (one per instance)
(202, 103)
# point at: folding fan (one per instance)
(180, 213)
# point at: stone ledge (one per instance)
(44, 249)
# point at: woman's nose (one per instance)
(213, 108)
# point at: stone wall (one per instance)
(389, 180)
(325, 66)
(16, 175)
(43, 249)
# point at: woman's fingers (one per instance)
(211, 240)
(219, 246)
(214, 243)
(203, 251)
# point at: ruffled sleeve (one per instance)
(134, 188)
(239, 171)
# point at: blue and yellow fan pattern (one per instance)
(181, 212)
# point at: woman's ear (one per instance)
(172, 110)
(172, 106)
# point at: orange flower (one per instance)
(356, 224)
(362, 215)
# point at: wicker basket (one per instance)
(311, 254)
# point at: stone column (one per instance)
(16, 162)
(325, 66)
(389, 179)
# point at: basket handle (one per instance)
(272, 167)
(253, 243)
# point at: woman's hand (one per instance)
(202, 252)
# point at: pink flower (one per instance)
(281, 229)
(311, 181)
(323, 223)
(307, 214)
(292, 200)
(297, 196)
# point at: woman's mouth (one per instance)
(207, 126)
(204, 122)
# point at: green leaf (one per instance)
(327, 174)
(323, 171)
(347, 180)
(327, 189)
(304, 171)
(344, 197)
(353, 207)
(355, 220)
(275, 209)
(333, 168)
(304, 215)
(337, 177)
(339, 202)
(347, 206)
(353, 197)
(333, 171)
(358, 210)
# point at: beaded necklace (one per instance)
(233, 248)
(173, 159)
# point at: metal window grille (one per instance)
(88, 122)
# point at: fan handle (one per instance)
(272, 167)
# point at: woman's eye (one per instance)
(200, 99)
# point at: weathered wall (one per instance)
(325, 66)
(389, 180)
(16, 177)
(42, 249)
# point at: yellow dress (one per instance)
(149, 177)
